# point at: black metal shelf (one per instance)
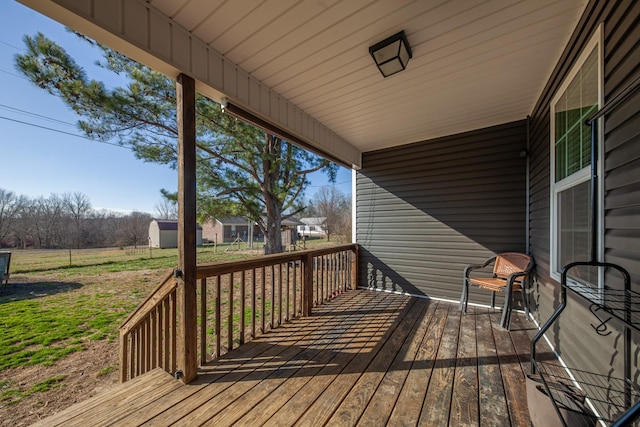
(622, 304)
(616, 400)
(611, 396)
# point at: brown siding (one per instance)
(573, 335)
(425, 210)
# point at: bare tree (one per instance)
(10, 206)
(166, 209)
(133, 229)
(46, 217)
(78, 206)
(333, 205)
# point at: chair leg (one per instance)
(505, 321)
(525, 303)
(465, 295)
(493, 300)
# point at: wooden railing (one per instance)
(148, 336)
(237, 301)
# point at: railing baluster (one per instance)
(145, 346)
(203, 321)
(295, 285)
(218, 326)
(153, 342)
(166, 334)
(280, 294)
(230, 314)
(321, 280)
(316, 270)
(262, 301)
(288, 288)
(253, 304)
(173, 324)
(272, 299)
(242, 305)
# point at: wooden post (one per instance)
(187, 307)
(355, 259)
(307, 284)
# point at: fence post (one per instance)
(307, 284)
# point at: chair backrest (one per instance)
(511, 262)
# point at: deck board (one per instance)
(365, 358)
(408, 407)
(465, 404)
(435, 410)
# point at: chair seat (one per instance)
(494, 284)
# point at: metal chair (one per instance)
(5, 262)
(511, 271)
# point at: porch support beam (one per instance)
(187, 308)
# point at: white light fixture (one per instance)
(391, 54)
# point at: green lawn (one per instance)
(53, 307)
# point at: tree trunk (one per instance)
(273, 236)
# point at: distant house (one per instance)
(224, 230)
(164, 234)
(289, 231)
(312, 227)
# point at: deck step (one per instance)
(117, 403)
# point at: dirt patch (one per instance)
(84, 377)
(79, 375)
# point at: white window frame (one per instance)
(596, 41)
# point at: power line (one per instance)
(330, 185)
(63, 132)
(12, 74)
(10, 45)
(29, 113)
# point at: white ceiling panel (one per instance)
(475, 63)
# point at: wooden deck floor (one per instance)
(366, 358)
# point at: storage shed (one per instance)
(163, 233)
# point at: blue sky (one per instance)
(39, 154)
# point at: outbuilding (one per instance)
(163, 233)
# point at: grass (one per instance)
(53, 307)
(40, 331)
(11, 396)
(44, 321)
(106, 371)
(96, 261)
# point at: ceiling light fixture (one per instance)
(391, 54)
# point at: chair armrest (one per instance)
(516, 274)
(470, 267)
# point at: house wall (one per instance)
(573, 336)
(210, 230)
(168, 238)
(154, 234)
(425, 210)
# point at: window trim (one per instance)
(596, 41)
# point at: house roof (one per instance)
(170, 225)
(318, 220)
(233, 220)
(290, 222)
(305, 66)
(238, 220)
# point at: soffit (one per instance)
(475, 63)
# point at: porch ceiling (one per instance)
(475, 64)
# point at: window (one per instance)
(579, 97)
